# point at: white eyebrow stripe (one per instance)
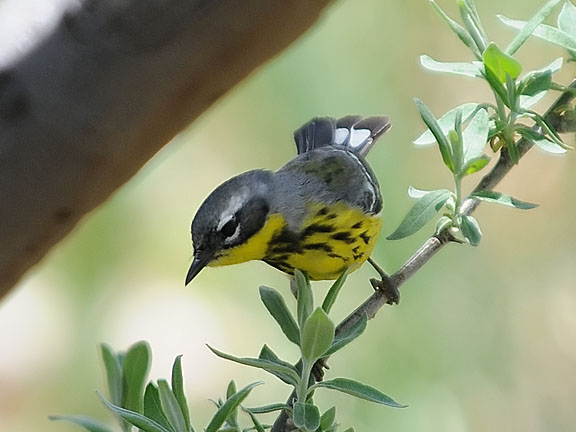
(235, 204)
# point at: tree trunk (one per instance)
(105, 90)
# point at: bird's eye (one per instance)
(229, 228)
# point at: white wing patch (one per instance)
(352, 138)
(341, 136)
(358, 136)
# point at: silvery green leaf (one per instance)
(443, 144)
(546, 32)
(269, 366)
(531, 25)
(470, 229)
(457, 68)
(359, 390)
(317, 335)
(460, 31)
(421, 213)
(305, 301)
(141, 422)
(446, 122)
(153, 407)
(178, 389)
(419, 193)
(475, 136)
(86, 422)
(503, 199)
(549, 146)
(306, 416)
(276, 305)
(229, 406)
(135, 366)
(527, 102)
(567, 19)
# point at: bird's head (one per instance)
(232, 214)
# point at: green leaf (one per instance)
(305, 299)
(171, 407)
(268, 408)
(257, 425)
(496, 85)
(228, 407)
(86, 422)
(178, 389)
(549, 146)
(501, 63)
(460, 31)
(421, 213)
(458, 68)
(531, 26)
(136, 366)
(267, 354)
(333, 292)
(503, 199)
(349, 430)
(279, 311)
(567, 19)
(144, 423)
(317, 335)
(546, 32)
(267, 365)
(443, 223)
(470, 229)
(436, 130)
(446, 122)
(328, 418)
(529, 101)
(344, 338)
(358, 390)
(536, 83)
(233, 417)
(472, 24)
(475, 136)
(540, 141)
(455, 138)
(153, 407)
(475, 165)
(306, 416)
(419, 193)
(113, 373)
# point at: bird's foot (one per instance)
(385, 284)
(388, 288)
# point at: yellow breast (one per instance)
(332, 238)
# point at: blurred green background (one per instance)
(484, 338)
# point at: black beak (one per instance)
(197, 265)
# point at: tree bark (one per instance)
(105, 90)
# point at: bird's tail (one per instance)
(356, 133)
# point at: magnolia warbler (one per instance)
(319, 213)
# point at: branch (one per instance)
(105, 90)
(433, 245)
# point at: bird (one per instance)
(320, 213)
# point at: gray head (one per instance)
(232, 213)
